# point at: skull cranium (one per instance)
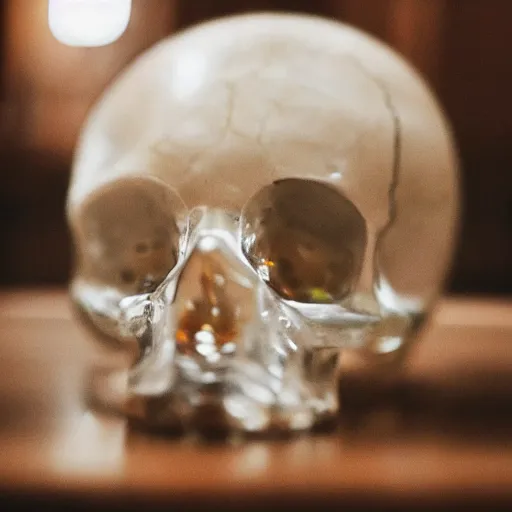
(249, 197)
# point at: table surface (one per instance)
(439, 433)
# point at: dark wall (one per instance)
(476, 88)
(463, 46)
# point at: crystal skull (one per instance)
(249, 198)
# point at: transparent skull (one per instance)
(248, 199)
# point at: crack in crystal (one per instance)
(396, 165)
(397, 147)
(397, 154)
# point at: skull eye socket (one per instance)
(131, 231)
(305, 239)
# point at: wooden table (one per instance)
(440, 434)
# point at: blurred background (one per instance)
(463, 47)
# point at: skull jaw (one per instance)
(241, 400)
(155, 395)
(244, 397)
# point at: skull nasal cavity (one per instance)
(208, 321)
(211, 303)
(305, 239)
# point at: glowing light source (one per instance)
(88, 22)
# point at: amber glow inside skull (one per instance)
(250, 197)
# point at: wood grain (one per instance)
(437, 434)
